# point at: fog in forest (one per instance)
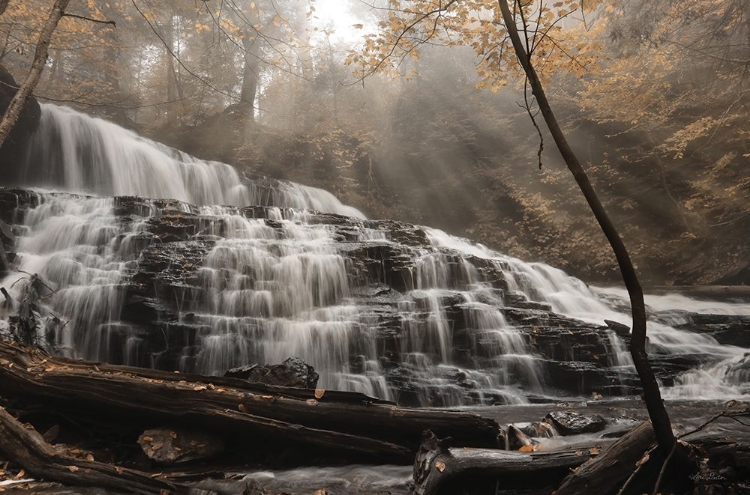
(374, 246)
(652, 95)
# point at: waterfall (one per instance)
(74, 152)
(204, 272)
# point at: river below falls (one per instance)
(622, 415)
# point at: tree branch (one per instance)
(98, 21)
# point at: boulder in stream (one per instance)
(573, 423)
(293, 372)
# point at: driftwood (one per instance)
(437, 466)
(363, 431)
(28, 448)
(601, 474)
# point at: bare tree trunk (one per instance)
(171, 76)
(652, 395)
(37, 66)
(250, 74)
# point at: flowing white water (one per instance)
(724, 377)
(349, 480)
(74, 152)
(283, 285)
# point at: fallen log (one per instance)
(26, 447)
(440, 469)
(147, 398)
(603, 473)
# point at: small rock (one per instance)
(573, 423)
(241, 372)
(169, 446)
(293, 372)
(517, 438)
(7, 238)
(619, 328)
(538, 429)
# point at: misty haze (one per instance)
(374, 247)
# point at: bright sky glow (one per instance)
(336, 15)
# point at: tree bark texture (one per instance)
(37, 66)
(250, 74)
(26, 447)
(657, 412)
(329, 422)
(436, 466)
(603, 473)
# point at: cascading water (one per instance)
(391, 310)
(74, 152)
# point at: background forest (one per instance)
(653, 96)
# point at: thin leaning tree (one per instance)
(37, 66)
(512, 37)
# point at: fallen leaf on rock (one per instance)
(643, 460)
(526, 448)
(20, 475)
(594, 451)
(312, 402)
(72, 469)
(440, 466)
(319, 393)
(199, 388)
(242, 408)
(89, 457)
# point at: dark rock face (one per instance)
(293, 372)
(403, 317)
(573, 423)
(618, 328)
(726, 329)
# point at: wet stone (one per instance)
(618, 328)
(517, 439)
(241, 372)
(573, 423)
(293, 372)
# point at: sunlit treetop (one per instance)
(554, 36)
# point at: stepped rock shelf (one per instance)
(383, 308)
(130, 310)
